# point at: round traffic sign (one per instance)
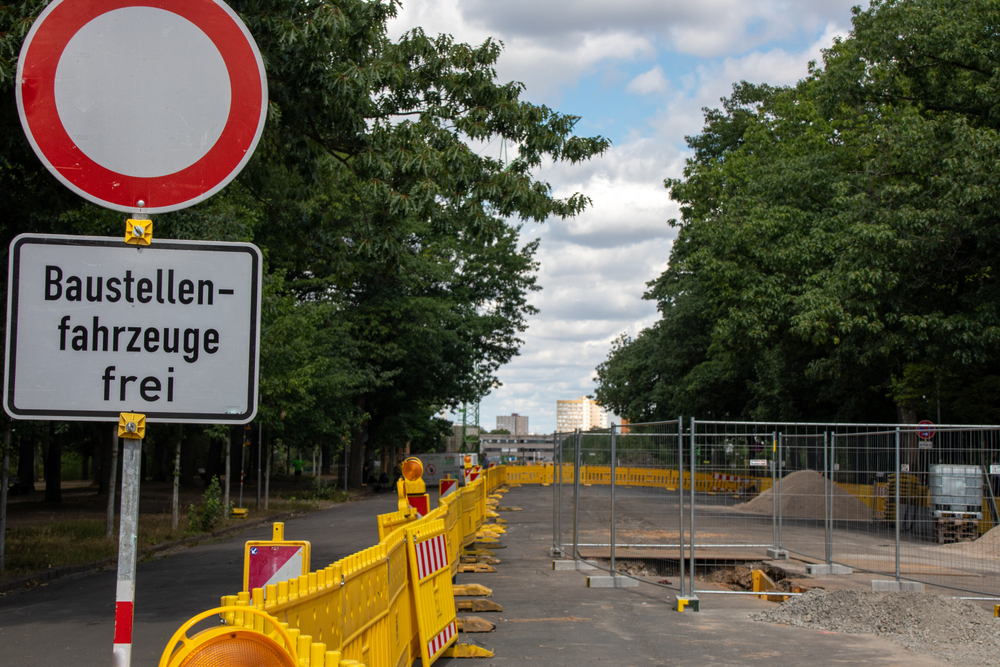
(925, 429)
(154, 101)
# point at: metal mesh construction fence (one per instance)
(910, 502)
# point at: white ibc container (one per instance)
(955, 489)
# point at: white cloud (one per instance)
(594, 268)
(653, 81)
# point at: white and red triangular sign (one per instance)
(271, 564)
(447, 486)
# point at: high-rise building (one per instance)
(515, 423)
(580, 413)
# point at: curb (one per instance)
(66, 570)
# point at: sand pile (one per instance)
(802, 498)
(987, 546)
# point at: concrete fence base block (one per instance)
(556, 553)
(823, 568)
(777, 554)
(611, 582)
(572, 565)
(890, 586)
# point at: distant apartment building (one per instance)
(580, 413)
(521, 448)
(515, 423)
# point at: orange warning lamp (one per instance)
(413, 469)
(413, 473)
(468, 461)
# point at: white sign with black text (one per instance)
(97, 327)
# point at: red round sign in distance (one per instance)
(37, 66)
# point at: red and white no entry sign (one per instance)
(153, 101)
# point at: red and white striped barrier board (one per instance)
(718, 477)
(441, 640)
(446, 486)
(432, 556)
(420, 503)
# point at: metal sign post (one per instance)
(131, 429)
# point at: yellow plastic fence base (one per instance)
(472, 589)
(472, 624)
(508, 509)
(477, 605)
(478, 568)
(466, 651)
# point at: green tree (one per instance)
(844, 231)
(396, 284)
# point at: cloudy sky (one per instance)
(638, 72)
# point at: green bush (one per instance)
(210, 512)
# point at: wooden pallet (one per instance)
(948, 530)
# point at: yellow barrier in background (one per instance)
(879, 497)
(384, 606)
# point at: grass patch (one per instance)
(33, 548)
(40, 547)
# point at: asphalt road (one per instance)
(548, 616)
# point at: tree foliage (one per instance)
(396, 282)
(838, 237)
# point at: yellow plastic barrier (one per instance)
(387, 523)
(384, 606)
(430, 580)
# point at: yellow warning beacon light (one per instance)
(413, 469)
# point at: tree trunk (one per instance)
(189, 468)
(25, 462)
(4, 475)
(228, 468)
(160, 456)
(109, 457)
(213, 466)
(909, 451)
(175, 502)
(267, 468)
(53, 467)
(354, 476)
(112, 483)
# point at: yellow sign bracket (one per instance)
(131, 426)
(138, 231)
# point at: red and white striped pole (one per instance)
(131, 428)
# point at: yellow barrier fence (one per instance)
(879, 497)
(664, 478)
(384, 606)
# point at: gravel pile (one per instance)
(949, 629)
